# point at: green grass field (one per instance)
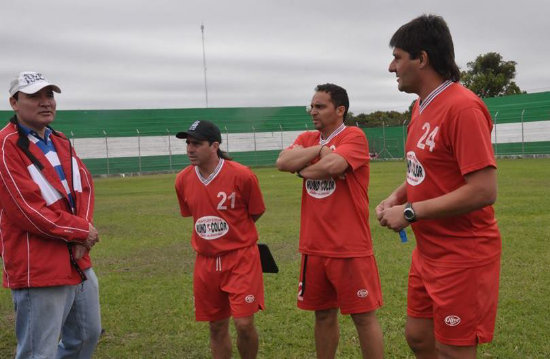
(144, 264)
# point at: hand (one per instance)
(93, 237)
(79, 251)
(392, 217)
(325, 150)
(385, 204)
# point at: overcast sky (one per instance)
(114, 54)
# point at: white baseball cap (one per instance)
(30, 82)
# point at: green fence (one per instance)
(120, 123)
(519, 108)
(138, 141)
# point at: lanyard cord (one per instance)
(23, 143)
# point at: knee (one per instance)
(89, 334)
(365, 319)
(326, 317)
(92, 326)
(219, 329)
(417, 342)
(245, 326)
(94, 333)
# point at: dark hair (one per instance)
(221, 154)
(224, 155)
(16, 96)
(338, 95)
(429, 33)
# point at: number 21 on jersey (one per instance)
(427, 138)
(225, 200)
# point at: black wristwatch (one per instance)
(409, 213)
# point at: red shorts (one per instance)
(351, 284)
(461, 301)
(228, 285)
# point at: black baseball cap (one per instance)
(202, 130)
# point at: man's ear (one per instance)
(340, 110)
(13, 103)
(423, 58)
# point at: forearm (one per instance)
(463, 200)
(479, 191)
(399, 195)
(25, 206)
(330, 166)
(315, 171)
(294, 159)
(66, 226)
(396, 198)
(32, 216)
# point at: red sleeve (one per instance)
(471, 140)
(354, 148)
(87, 198)
(24, 205)
(300, 140)
(253, 195)
(184, 208)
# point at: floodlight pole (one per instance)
(204, 65)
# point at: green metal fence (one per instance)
(139, 141)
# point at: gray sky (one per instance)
(107, 54)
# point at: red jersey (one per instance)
(335, 212)
(450, 136)
(222, 206)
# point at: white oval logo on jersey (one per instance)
(452, 320)
(362, 293)
(415, 170)
(320, 188)
(250, 298)
(211, 227)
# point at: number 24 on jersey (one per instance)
(427, 138)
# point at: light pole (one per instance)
(204, 65)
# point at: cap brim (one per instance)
(181, 135)
(34, 88)
(185, 134)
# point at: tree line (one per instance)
(487, 76)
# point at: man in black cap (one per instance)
(224, 199)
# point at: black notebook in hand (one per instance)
(268, 262)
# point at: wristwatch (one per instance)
(409, 213)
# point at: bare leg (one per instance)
(326, 333)
(420, 337)
(247, 337)
(370, 334)
(220, 341)
(454, 352)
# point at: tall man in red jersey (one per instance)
(225, 201)
(447, 196)
(338, 268)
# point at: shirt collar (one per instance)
(213, 175)
(433, 94)
(335, 133)
(27, 131)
